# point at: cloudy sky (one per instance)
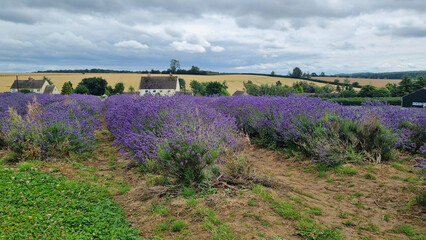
(333, 36)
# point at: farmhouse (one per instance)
(239, 93)
(37, 86)
(415, 99)
(161, 85)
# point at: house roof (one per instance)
(30, 83)
(239, 93)
(49, 89)
(415, 92)
(158, 82)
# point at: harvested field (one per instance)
(362, 81)
(234, 82)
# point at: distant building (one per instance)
(239, 93)
(36, 86)
(415, 99)
(51, 89)
(159, 85)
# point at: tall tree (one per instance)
(66, 88)
(182, 84)
(174, 65)
(406, 85)
(96, 85)
(119, 88)
(81, 89)
(297, 73)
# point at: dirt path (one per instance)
(369, 201)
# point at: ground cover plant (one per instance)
(36, 205)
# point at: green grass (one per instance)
(408, 230)
(370, 176)
(285, 209)
(345, 170)
(159, 208)
(399, 167)
(309, 229)
(219, 230)
(315, 211)
(252, 203)
(42, 206)
(177, 226)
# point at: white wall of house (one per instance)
(162, 92)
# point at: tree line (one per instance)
(94, 86)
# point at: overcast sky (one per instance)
(333, 36)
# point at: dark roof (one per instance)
(239, 93)
(49, 89)
(168, 82)
(30, 83)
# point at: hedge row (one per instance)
(357, 101)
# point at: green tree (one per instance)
(48, 80)
(355, 84)
(328, 88)
(174, 65)
(381, 92)
(298, 88)
(66, 88)
(322, 74)
(131, 89)
(96, 85)
(347, 83)
(194, 70)
(119, 88)
(82, 89)
(406, 85)
(278, 83)
(197, 87)
(347, 93)
(367, 91)
(420, 82)
(297, 73)
(215, 88)
(182, 84)
(272, 73)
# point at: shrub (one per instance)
(48, 127)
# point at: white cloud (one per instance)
(217, 49)
(184, 46)
(131, 44)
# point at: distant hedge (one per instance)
(357, 101)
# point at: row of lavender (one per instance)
(184, 131)
(177, 135)
(37, 125)
(326, 131)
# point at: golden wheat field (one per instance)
(363, 81)
(234, 82)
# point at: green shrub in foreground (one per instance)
(37, 205)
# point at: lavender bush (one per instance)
(182, 135)
(36, 125)
(328, 132)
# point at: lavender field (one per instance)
(206, 144)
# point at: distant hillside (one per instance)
(387, 75)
